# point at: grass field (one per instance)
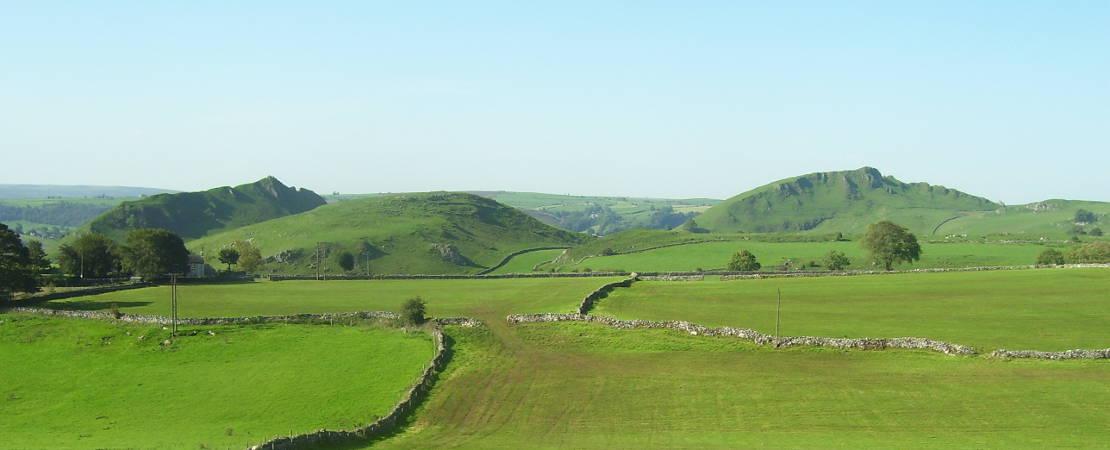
(715, 255)
(589, 386)
(69, 383)
(1027, 309)
(478, 298)
(524, 263)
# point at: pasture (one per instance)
(772, 255)
(71, 383)
(1048, 309)
(526, 262)
(589, 386)
(492, 298)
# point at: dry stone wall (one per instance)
(1066, 354)
(276, 277)
(161, 320)
(668, 277)
(603, 291)
(80, 293)
(512, 255)
(755, 336)
(749, 276)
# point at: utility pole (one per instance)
(325, 262)
(778, 315)
(173, 305)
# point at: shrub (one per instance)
(744, 261)
(1050, 256)
(412, 312)
(835, 260)
(1093, 252)
(1096, 231)
(347, 260)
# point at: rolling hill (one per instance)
(845, 201)
(195, 214)
(430, 233)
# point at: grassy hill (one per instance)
(1047, 220)
(844, 201)
(195, 214)
(73, 192)
(602, 215)
(405, 233)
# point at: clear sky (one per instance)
(1007, 99)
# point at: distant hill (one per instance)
(430, 233)
(196, 214)
(602, 215)
(43, 191)
(845, 201)
(1049, 220)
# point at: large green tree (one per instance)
(890, 243)
(91, 255)
(39, 261)
(16, 274)
(744, 261)
(229, 256)
(250, 257)
(153, 252)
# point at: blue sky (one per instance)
(1009, 100)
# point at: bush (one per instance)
(412, 312)
(347, 260)
(1050, 256)
(1094, 252)
(1096, 231)
(744, 261)
(835, 260)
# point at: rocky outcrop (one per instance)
(755, 336)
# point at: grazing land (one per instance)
(70, 383)
(525, 263)
(492, 298)
(603, 215)
(1049, 309)
(773, 256)
(590, 386)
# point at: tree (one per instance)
(229, 256)
(39, 262)
(16, 274)
(1092, 252)
(890, 243)
(1049, 257)
(412, 312)
(91, 255)
(743, 261)
(346, 260)
(835, 260)
(250, 257)
(153, 252)
(1084, 216)
(1096, 231)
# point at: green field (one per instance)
(715, 255)
(589, 386)
(526, 262)
(70, 383)
(491, 299)
(1051, 309)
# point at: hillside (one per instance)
(602, 215)
(196, 214)
(1046, 220)
(404, 233)
(54, 191)
(846, 201)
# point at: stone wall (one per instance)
(276, 277)
(748, 276)
(79, 293)
(379, 428)
(512, 255)
(602, 292)
(160, 320)
(755, 336)
(1066, 354)
(672, 277)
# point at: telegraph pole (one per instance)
(173, 305)
(778, 315)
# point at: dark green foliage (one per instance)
(1091, 252)
(1096, 231)
(91, 255)
(1050, 256)
(152, 252)
(63, 213)
(890, 243)
(412, 311)
(39, 261)
(250, 257)
(835, 260)
(346, 260)
(1085, 216)
(195, 214)
(744, 261)
(16, 274)
(229, 256)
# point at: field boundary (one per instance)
(910, 343)
(588, 302)
(848, 273)
(1055, 356)
(200, 321)
(512, 255)
(448, 276)
(97, 290)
